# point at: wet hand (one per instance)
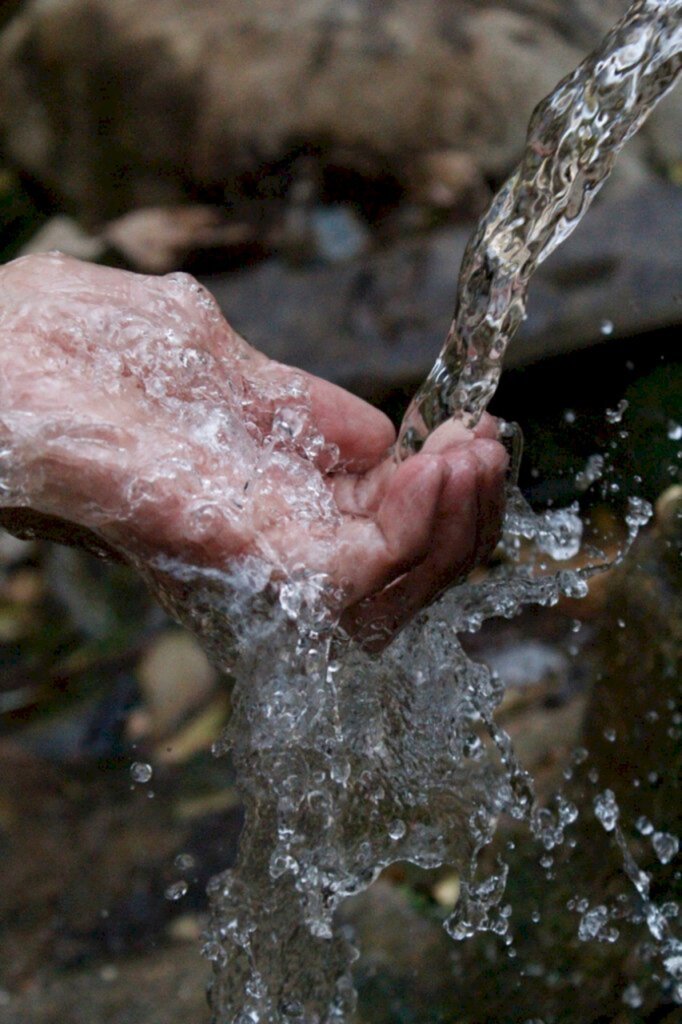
(131, 409)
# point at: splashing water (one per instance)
(349, 762)
(574, 137)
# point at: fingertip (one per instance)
(487, 427)
(491, 456)
(447, 435)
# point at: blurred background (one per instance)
(319, 165)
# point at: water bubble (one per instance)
(397, 829)
(185, 862)
(610, 735)
(574, 586)
(632, 996)
(673, 965)
(569, 416)
(616, 415)
(606, 809)
(559, 533)
(666, 846)
(644, 826)
(568, 812)
(674, 430)
(214, 952)
(606, 328)
(176, 890)
(141, 772)
(639, 512)
(593, 924)
(291, 1009)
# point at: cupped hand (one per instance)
(130, 408)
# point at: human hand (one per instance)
(130, 408)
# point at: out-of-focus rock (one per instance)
(160, 239)
(64, 234)
(113, 104)
(405, 966)
(633, 722)
(376, 323)
(13, 550)
(167, 986)
(175, 678)
(451, 178)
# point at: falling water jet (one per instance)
(574, 137)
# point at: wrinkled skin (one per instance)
(130, 408)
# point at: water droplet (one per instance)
(176, 890)
(592, 923)
(606, 328)
(616, 415)
(610, 735)
(606, 809)
(397, 829)
(673, 965)
(639, 512)
(644, 826)
(666, 846)
(141, 772)
(185, 862)
(674, 430)
(632, 996)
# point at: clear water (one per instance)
(349, 762)
(574, 137)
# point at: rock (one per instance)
(13, 550)
(175, 679)
(167, 986)
(114, 105)
(405, 967)
(64, 234)
(375, 324)
(160, 239)
(339, 234)
(632, 725)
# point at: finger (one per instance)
(466, 529)
(361, 494)
(362, 433)
(371, 552)
(453, 432)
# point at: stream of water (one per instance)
(574, 137)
